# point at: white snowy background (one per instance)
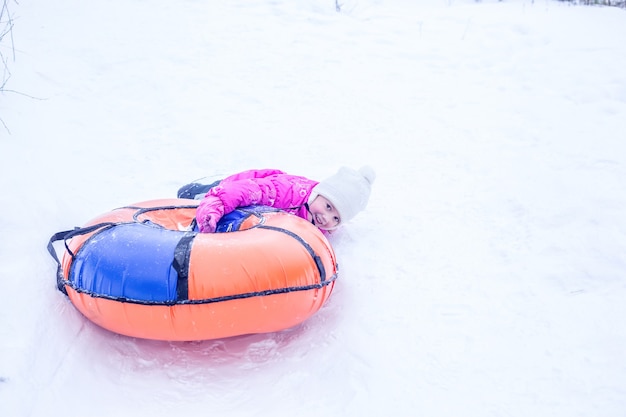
(485, 278)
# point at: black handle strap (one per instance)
(315, 256)
(65, 236)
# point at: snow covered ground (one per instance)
(487, 276)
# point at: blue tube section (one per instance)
(130, 260)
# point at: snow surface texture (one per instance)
(485, 278)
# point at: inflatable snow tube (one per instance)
(143, 271)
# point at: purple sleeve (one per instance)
(263, 187)
(210, 208)
(224, 200)
(232, 193)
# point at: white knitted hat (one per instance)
(348, 190)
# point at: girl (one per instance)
(327, 204)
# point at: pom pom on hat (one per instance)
(348, 190)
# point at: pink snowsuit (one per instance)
(265, 187)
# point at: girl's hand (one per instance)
(208, 224)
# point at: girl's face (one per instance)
(323, 214)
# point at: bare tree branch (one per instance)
(6, 32)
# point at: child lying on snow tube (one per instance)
(327, 204)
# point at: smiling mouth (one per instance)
(317, 219)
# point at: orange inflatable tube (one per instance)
(143, 271)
